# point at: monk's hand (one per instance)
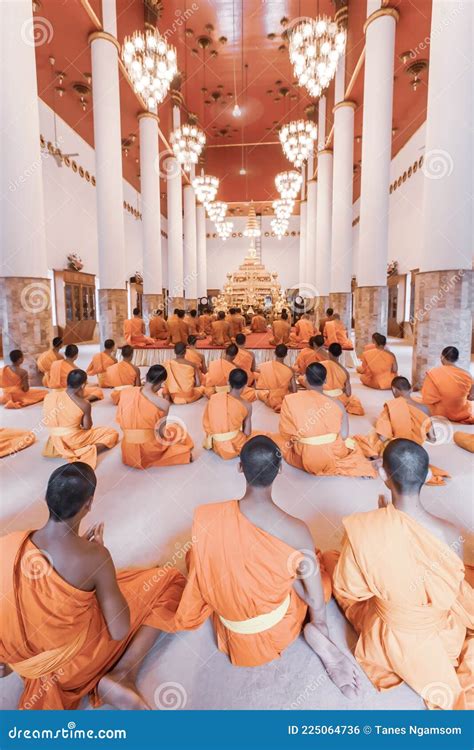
(5, 670)
(95, 533)
(383, 502)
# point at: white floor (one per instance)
(148, 518)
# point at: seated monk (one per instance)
(85, 628)
(275, 380)
(67, 415)
(281, 330)
(178, 328)
(253, 568)
(183, 381)
(313, 352)
(217, 378)
(464, 440)
(244, 358)
(236, 321)
(304, 329)
(46, 359)
(204, 322)
(227, 418)
(401, 417)
(335, 333)
(378, 365)
(15, 384)
(122, 375)
(12, 441)
(220, 330)
(62, 367)
(402, 587)
(196, 357)
(338, 382)
(314, 431)
(258, 323)
(449, 390)
(101, 361)
(158, 327)
(192, 321)
(329, 316)
(134, 330)
(149, 439)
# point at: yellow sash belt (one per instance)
(122, 387)
(62, 431)
(137, 437)
(219, 437)
(330, 437)
(222, 388)
(411, 617)
(49, 661)
(259, 623)
(334, 392)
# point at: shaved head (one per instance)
(260, 459)
(238, 378)
(316, 373)
(401, 384)
(406, 465)
(335, 349)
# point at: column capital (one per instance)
(325, 151)
(313, 179)
(387, 11)
(176, 97)
(104, 35)
(142, 115)
(344, 103)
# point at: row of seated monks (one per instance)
(76, 627)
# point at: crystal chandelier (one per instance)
(279, 226)
(205, 186)
(315, 46)
(216, 210)
(224, 229)
(252, 229)
(187, 143)
(297, 139)
(151, 64)
(283, 207)
(289, 184)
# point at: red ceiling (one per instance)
(264, 106)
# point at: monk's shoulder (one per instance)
(365, 521)
(210, 513)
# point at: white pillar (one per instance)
(151, 212)
(175, 224)
(341, 254)
(311, 214)
(323, 223)
(201, 251)
(303, 279)
(190, 245)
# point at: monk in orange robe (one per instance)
(134, 331)
(314, 431)
(335, 333)
(62, 367)
(227, 418)
(253, 568)
(46, 359)
(338, 382)
(221, 334)
(192, 320)
(401, 417)
(449, 390)
(12, 441)
(73, 625)
(183, 381)
(217, 378)
(275, 380)
(101, 361)
(194, 355)
(236, 321)
(378, 365)
(304, 329)
(204, 323)
(149, 437)
(178, 328)
(258, 323)
(15, 384)
(328, 317)
(281, 330)
(464, 440)
(158, 327)
(402, 586)
(122, 375)
(313, 352)
(245, 359)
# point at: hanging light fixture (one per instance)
(315, 46)
(252, 229)
(151, 64)
(289, 183)
(279, 227)
(283, 207)
(205, 186)
(224, 229)
(187, 143)
(297, 139)
(216, 210)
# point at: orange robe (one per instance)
(54, 634)
(244, 360)
(67, 439)
(306, 357)
(180, 383)
(44, 363)
(399, 419)
(133, 333)
(178, 330)
(376, 369)
(237, 324)
(100, 362)
(217, 379)
(58, 379)
(222, 420)
(12, 441)
(220, 333)
(158, 329)
(13, 396)
(281, 330)
(335, 333)
(238, 572)
(335, 381)
(404, 592)
(193, 356)
(464, 440)
(192, 324)
(273, 382)
(304, 329)
(142, 446)
(310, 439)
(120, 377)
(445, 390)
(258, 324)
(204, 323)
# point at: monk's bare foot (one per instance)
(118, 691)
(340, 669)
(191, 459)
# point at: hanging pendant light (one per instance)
(187, 143)
(315, 46)
(205, 186)
(216, 210)
(297, 139)
(283, 207)
(289, 183)
(151, 64)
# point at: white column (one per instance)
(303, 279)
(323, 223)
(341, 254)
(311, 214)
(376, 146)
(190, 244)
(150, 203)
(201, 250)
(175, 223)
